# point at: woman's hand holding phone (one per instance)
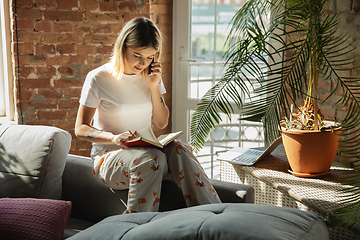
(154, 71)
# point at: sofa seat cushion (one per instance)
(215, 221)
(32, 160)
(31, 218)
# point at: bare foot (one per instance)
(127, 211)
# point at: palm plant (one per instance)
(299, 46)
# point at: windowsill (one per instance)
(5, 120)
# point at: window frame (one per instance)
(6, 66)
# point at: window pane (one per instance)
(210, 26)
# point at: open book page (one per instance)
(148, 134)
(167, 138)
(147, 138)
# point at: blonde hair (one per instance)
(139, 32)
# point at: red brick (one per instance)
(74, 151)
(35, 83)
(29, 37)
(83, 27)
(88, 5)
(102, 39)
(108, 6)
(72, 113)
(51, 115)
(127, 7)
(26, 94)
(86, 49)
(24, 3)
(30, 116)
(72, 133)
(67, 83)
(72, 92)
(42, 104)
(66, 71)
(63, 27)
(97, 60)
(46, 4)
(44, 49)
(81, 144)
(25, 13)
(167, 48)
(160, 8)
(168, 1)
(144, 9)
(25, 25)
(65, 60)
(47, 72)
(85, 69)
(66, 125)
(129, 16)
(62, 38)
(43, 26)
(166, 58)
(66, 48)
(26, 48)
(103, 28)
(104, 49)
(42, 123)
(101, 17)
(26, 71)
(32, 59)
(67, 4)
(116, 28)
(85, 153)
(165, 19)
(68, 104)
(165, 29)
(63, 16)
(50, 93)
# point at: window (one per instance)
(200, 29)
(7, 108)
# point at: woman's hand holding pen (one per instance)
(123, 137)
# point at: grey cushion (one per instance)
(216, 221)
(32, 160)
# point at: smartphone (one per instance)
(153, 60)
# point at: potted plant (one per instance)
(287, 55)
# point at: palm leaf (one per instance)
(267, 69)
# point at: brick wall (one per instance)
(58, 42)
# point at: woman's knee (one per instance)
(155, 157)
(158, 157)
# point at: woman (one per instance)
(120, 98)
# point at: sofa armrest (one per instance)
(233, 192)
(32, 160)
(92, 200)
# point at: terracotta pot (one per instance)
(310, 153)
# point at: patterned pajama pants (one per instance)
(141, 170)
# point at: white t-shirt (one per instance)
(121, 104)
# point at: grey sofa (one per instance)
(34, 163)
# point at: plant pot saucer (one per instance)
(307, 174)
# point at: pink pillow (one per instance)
(31, 218)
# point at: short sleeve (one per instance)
(89, 94)
(162, 87)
